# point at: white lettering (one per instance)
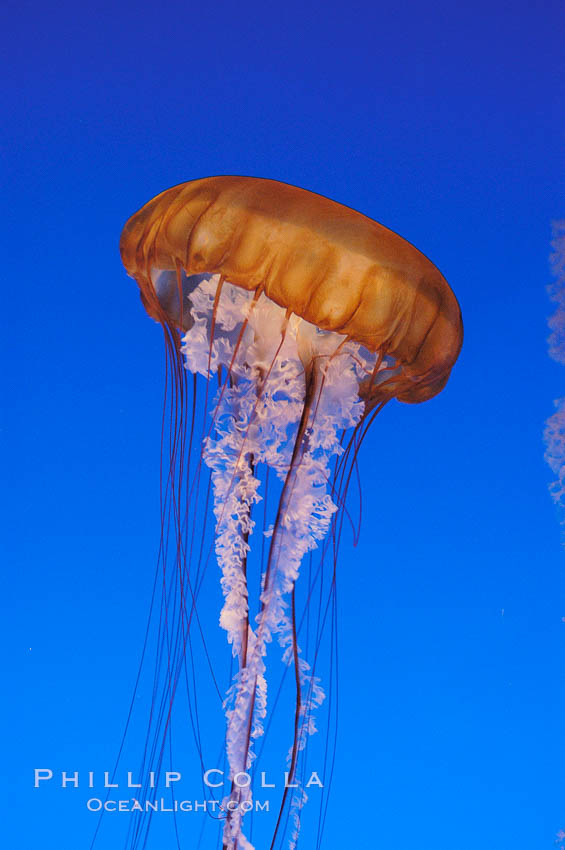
(207, 777)
(171, 776)
(65, 779)
(107, 783)
(314, 780)
(264, 783)
(47, 774)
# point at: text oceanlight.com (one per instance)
(95, 804)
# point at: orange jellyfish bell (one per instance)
(320, 260)
(311, 316)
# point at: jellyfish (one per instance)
(290, 320)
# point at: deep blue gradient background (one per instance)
(443, 122)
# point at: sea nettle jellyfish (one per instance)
(303, 318)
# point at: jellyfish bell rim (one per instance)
(200, 227)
